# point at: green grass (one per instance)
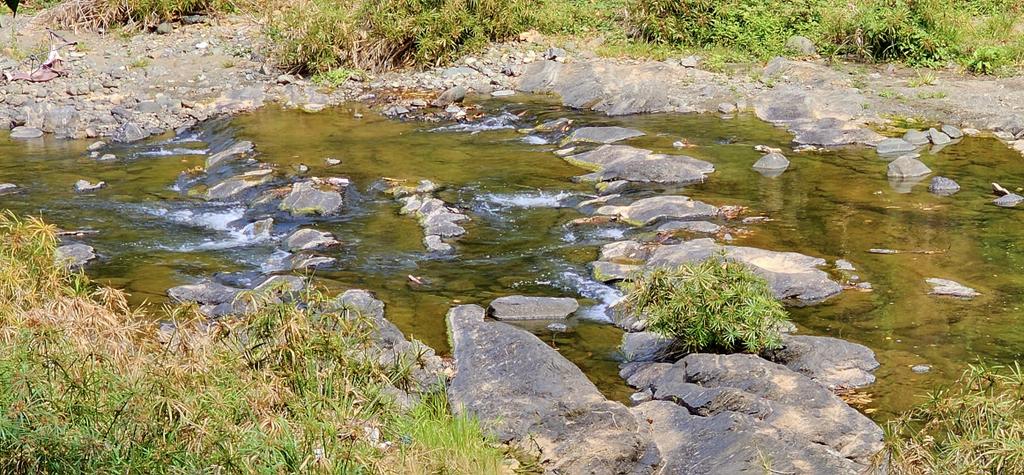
(715, 305)
(88, 385)
(976, 425)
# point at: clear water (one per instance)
(834, 205)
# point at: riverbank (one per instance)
(131, 87)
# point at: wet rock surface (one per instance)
(831, 362)
(622, 162)
(659, 208)
(528, 395)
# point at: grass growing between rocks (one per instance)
(715, 305)
(88, 385)
(976, 425)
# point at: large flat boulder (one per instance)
(520, 307)
(526, 394)
(791, 275)
(622, 162)
(761, 397)
(75, 255)
(833, 363)
(657, 208)
(732, 443)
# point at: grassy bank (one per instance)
(316, 36)
(88, 385)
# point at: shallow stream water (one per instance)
(835, 204)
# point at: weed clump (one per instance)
(715, 305)
(976, 425)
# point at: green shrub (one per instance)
(715, 305)
(987, 60)
(975, 425)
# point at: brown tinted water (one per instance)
(833, 205)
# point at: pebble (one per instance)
(107, 157)
(332, 162)
(843, 264)
(7, 187)
(558, 327)
(96, 145)
(921, 368)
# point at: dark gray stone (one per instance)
(519, 307)
(236, 151)
(525, 393)
(450, 96)
(232, 187)
(203, 293)
(916, 137)
(647, 347)
(129, 132)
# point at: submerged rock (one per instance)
(951, 288)
(702, 227)
(622, 162)
(650, 210)
(526, 394)
(772, 164)
(519, 307)
(1009, 200)
(790, 275)
(75, 255)
(83, 186)
(232, 153)
(754, 397)
(943, 186)
(306, 199)
(833, 363)
(434, 243)
(603, 135)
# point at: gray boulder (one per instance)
(938, 138)
(232, 153)
(790, 275)
(772, 164)
(309, 239)
(604, 271)
(450, 96)
(22, 132)
(61, 121)
(603, 135)
(1009, 200)
(129, 132)
(519, 307)
(631, 252)
(526, 394)
(906, 167)
(952, 131)
(801, 45)
(894, 146)
(833, 363)
(777, 399)
(288, 284)
(943, 186)
(951, 288)
(203, 293)
(75, 255)
(916, 137)
(650, 210)
(434, 243)
(306, 198)
(646, 347)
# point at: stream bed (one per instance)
(835, 204)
